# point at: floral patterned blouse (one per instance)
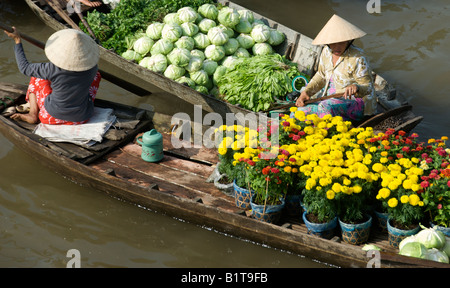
(351, 68)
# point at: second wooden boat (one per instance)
(177, 186)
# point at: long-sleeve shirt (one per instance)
(351, 68)
(70, 98)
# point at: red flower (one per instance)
(401, 133)
(275, 170)
(425, 184)
(265, 171)
(399, 155)
(439, 206)
(405, 149)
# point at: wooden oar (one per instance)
(111, 78)
(310, 101)
(62, 14)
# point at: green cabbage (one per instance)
(228, 17)
(209, 66)
(214, 52)
(262, 49)
(230, 62)
(144, 62)
(132, 55)
(172, 18)
(431, 238)
(205, 25)
(162, 46)
(241, 52)
(436, 255)
(157, 63)
(201, 89)
(408, 239)
(201, 41)
(185, 42)
(246, 15)
(260, 33)
(186, 80)
(217, 36)
(243, 26)
(195, 64)
(174, 72)
(414, 249)
(143, 45)
(231, 46)
(245, 41)
(209, 11)
(187, 14)
(276, 37)
(154, 30)
(446, 247)
(198, 53)
(171, 32)
(220, 71)
(179, 57)
(229, 31)
(200, 77)
(189, 29)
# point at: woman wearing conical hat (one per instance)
(61, 91)
(342, 69)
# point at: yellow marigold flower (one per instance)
(384, 193)
(444, 138)
(407, 184)
(294, 170)
(414, 199)
(287, 169)
(293, 109)
(431, 140)
(384, 153)
(393, 202)
(330, 194)
(222, 151)
(336, 187)
(357, 189)
(404, 199)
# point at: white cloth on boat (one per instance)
(82, 134)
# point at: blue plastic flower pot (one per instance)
(242, 196)
(323, 230)
(396, 235)
(267, 213)
(356, 233)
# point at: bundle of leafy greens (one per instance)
(130, 16)
(255, 82)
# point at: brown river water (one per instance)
(43, 215)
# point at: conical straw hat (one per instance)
(337, 30)
(72, 50)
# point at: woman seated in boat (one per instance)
(342, 69)
(61, 91)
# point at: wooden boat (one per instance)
(297, 47)
(177, 186)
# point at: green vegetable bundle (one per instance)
(131, 16)
(255, 82)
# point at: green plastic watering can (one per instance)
(152, 146)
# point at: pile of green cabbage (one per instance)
(429, 243)
(195, 47)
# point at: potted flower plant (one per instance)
(436, 183)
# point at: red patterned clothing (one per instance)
(42, 88)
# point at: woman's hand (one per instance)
(350, 91)
(301, 99)
(14, 35)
